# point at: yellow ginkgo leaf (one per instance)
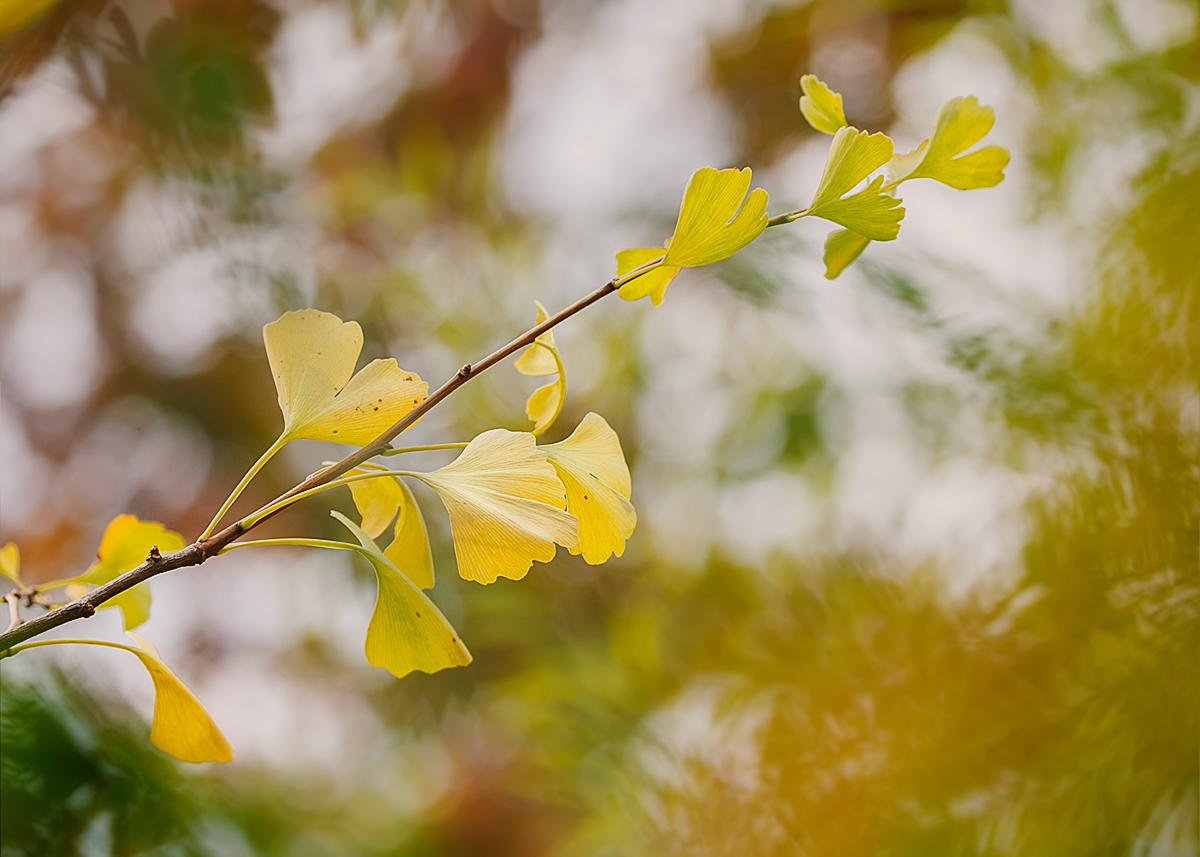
(409, 550)
(545, 404)
(506, 506)
(821, 106)
(377, 501)
(407, 631)
(653, 283)
(10, 563)
(593, 470)
(853, 156)
(537, 359)
(312, 356)
(180, 726)
(961, 123)
(842, 247)
(124, 546)
(716, 218)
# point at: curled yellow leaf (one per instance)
(506, 506)
(10, 563)
(379, 501)
(409, 550)
(537, 359)
(312, 356)
(545, 404)
(596, 477)
(180, 726)
(407, 631)
(821, 106)
(123, 547)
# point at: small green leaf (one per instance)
(821, 106)
(716, 218)
(870, 213)
(853, 156)
(653, 283)
(842, 247)
(961, 123)
(407, 631)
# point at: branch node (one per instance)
(465, 371)
(154, 555)
(87, 609)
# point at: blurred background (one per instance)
(916, 564)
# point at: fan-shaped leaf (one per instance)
(506, 506)
(593, 471)
(407, 631)
(853, 155)
(961, 123)
(312, 356)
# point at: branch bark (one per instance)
(201, 551)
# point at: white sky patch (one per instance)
(326, 78)
(43, 109)
(53, 356)
(612, 111)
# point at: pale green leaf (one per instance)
(870, 213)
(853, 155)
(961, 123)
(716, 218)
(821, 106)
(842, 247)
(407, 631)
(653, 283)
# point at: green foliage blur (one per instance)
(845, 700)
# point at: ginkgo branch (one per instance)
(206, 548)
